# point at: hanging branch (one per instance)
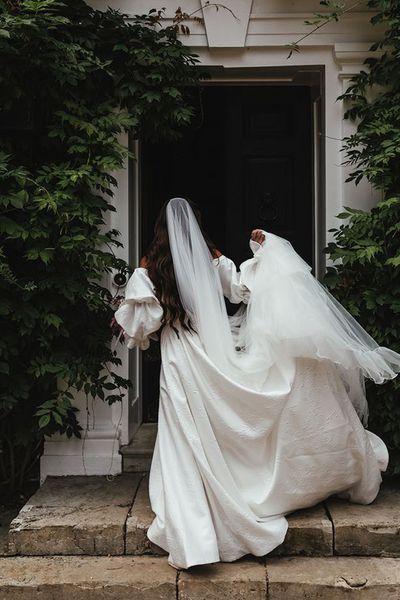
(180, 16)
(338, 9)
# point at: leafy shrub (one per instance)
(367, 277)
(72, 79)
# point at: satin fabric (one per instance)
(229, 463)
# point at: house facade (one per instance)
(266, 152)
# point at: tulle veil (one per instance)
(290, 314)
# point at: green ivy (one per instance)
(366, 247)
(72, 79)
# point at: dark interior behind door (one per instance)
(247, 163)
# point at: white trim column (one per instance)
(350, 58)
(105, 427)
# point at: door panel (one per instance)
(269, 165)
(247, 162)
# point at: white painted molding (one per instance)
(223, 29)
(351, 57)
(96, 453)
(277, 29)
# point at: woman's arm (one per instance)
(231, 279)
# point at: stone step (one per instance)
(310, 530)
(95, 516)
(7, 514)
(369, 530)
(99, 516)
(75, 515)
(333, 578)
(151, 578)
(136, 456)
(138, 522)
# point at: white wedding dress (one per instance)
(230, 462)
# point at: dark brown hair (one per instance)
(158, 261)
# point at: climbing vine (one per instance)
(366, 246)
(72, 80)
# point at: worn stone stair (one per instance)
(137, 455)
(85, 537)
(151, 578)
(91, 515)
(97, 516)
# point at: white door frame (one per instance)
(243, 76)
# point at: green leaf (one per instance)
(109, 386)
(19, 199)
(57, 418)
(394, 261)
(53, 319)
(44, 421)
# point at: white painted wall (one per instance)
(256, 39)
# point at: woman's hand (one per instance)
(258, 236)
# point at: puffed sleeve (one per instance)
(230, 279)
(235, 284)
(140, 313)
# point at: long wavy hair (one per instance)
(158, 261)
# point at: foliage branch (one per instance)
(365, 250)
(73, 80)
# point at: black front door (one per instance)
(247, 162)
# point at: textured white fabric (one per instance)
(291, 308)
(289, 315)
(140, 312)
(229, 462)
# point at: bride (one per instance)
(261, 413)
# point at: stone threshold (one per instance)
(98, 516)
(151, 578)
(137, 455)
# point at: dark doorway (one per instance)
(247, 163)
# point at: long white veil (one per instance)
(290, 314)
(199, 285)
